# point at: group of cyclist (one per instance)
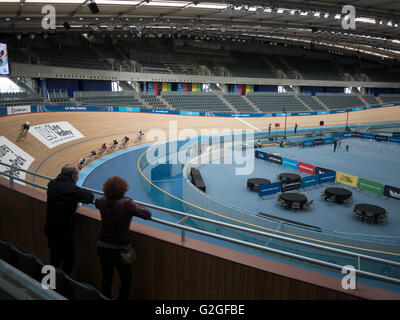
(113, 145)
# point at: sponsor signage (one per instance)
(308, 143)
(396, 134)
(291, 185)
(356, 135)
(348, 134)
(327, 177)
(328, 140)
(261, 155)
(275, 159)
(267, 189)
(391, 192)
(347, 179)
(309, 181)
(394, 139)
(18, 110)
(289, 163)
(56, 133)
(371, 186)
(379, 137)
(319, 170)
(367, 136)
(15, 156)
(4, 70)
(318, 142)
(307, 168)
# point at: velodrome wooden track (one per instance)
(99, 127)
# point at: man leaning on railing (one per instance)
(63, 196)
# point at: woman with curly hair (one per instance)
(116, 214)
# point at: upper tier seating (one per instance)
(274, 102)
(67, 56)
(314, 69)
(195, 101)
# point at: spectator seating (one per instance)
(32, 266)
(389, 98)
(59, 97)
(274, 102)
(107, 98)
(312, 102)
(340, 100)
(239, 103)
(152, 100)
(371, 100)
(20, 98)
(195, 101)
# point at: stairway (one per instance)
(321, 103)
(254, 106)
(230, 106)
(303, 103)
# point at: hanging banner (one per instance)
(307, 168)
(391, 192)
(289, 163)
(371, 186)
(347, 179)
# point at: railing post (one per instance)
(182, 222)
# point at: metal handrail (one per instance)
(179, 225)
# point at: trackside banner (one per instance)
(309, 181)
(347, 179)
(327, 177)
(379, 137)
(394, 139)
(18, 110)
(289, 163)
(268, 189)
(45, 108)
(307, 168)
(261, 155)
(56, 133)
(391, 192)
(308, 143)
(320, 170)
(371, 186)
(275, 159)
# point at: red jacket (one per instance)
(116, 216)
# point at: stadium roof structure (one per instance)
(307, 23)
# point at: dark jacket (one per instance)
(63, 196)
(116, 216)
